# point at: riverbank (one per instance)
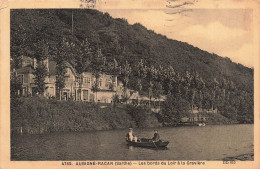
(36, 115)
(39, 115)
(243, 157)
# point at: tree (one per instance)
(84, 56)
(40, 74)
(178, 85)
(198, 95)
(151, 75)
(174, 109)
(196, 86)
(214, 87)
(223, 86)
(115, 68)
(95, 86)
(15, 85)
(60, 77)
(124, 74)
(60, 55)
(168, 79)
(115, 99)
(158, 81)
(98, 65)
(140, 73)
(186, 82)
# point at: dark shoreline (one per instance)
(111, 129)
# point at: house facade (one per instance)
(26, 77)
(78, 87)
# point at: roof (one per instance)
(71, 67)
(23, 70)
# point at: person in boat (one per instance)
(130, 136)
(156, 136)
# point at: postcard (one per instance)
(129, 84)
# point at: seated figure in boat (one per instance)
(130, 136)
(156, 136)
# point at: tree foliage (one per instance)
(40, 74)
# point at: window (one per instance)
(51, 91)
(20, 77)
(26, 78)
(85, 95)
(100, 82)
(24, 91)
(88, 82)
(108, 83)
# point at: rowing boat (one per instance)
(148, 143)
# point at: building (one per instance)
(107, 87)
(25, 75)
(197, 110)
(194, 118)
(77, 86)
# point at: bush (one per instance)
(139, 114)
(173, 109)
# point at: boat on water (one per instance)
(201, 124)
(148, 143)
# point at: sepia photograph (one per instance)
(118, 82)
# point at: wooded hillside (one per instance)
(92, 34)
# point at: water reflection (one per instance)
(186, 143)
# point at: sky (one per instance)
(221, 27)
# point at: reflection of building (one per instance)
(77, 86)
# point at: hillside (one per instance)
(32, 30)
(118, 39)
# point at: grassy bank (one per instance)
(39, 115)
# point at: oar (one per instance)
(155, 145)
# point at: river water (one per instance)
(212, 142)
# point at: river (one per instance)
(212, 142)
